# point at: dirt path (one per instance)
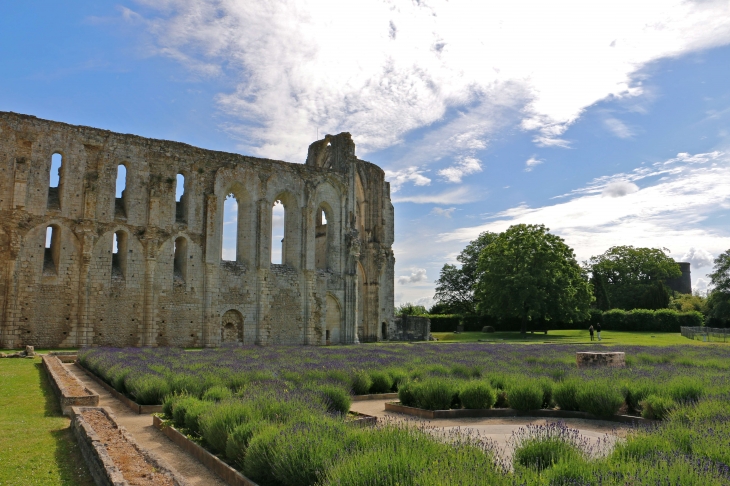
(500, 430)
(140, 427)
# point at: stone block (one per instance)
(608, 359)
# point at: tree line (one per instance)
(530, 274)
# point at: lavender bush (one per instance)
(276, 412)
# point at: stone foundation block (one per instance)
(611, 360)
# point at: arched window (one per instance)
(52, 251)
(181, 210)
(54, 196)
(119, 255)
(120, 207)
(229, 241)
(278, 223)
(180, 266)
(321, 241)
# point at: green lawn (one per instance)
(571, 337)
(36, 443)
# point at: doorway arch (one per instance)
(333, 320)
(232, 327)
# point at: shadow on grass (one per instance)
(67, 454)
(52, 407)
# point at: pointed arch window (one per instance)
(229, 239)
(278, 241)
(54, 186)
(52, 251)
(181, 207)
(322, 243)
(119, 255)
(120, 201)
(180, 264)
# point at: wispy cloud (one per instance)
(398, 178)
(531, 163)
(445, 212)
(670, 212)
(408, 64)
(465, 166)
(618, 128)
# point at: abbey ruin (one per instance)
(83, 267)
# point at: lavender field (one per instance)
(279, 414)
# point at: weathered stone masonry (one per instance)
(167, 285)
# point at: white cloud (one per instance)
(531, 163)
(619, 189)
(465, 166)
(701, 286)
(669, 213)
(299, 65)
(698, 257)
(446, 212)
(417, 275)
(400, 177)
(618, 128)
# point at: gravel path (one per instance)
(140, 427)
(500, 430)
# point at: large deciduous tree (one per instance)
(626, 277)
(455, 286)
(528, 273)
(718, 301)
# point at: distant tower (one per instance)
(682, 284)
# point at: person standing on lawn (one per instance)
(598, 331)
(590, 330)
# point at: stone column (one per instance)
(86, 235)
(212, 264)
(149, 321)
(9, 329)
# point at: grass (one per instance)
(576, 336)
(36, 443)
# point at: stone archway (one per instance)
(232, 327)
(333, 321)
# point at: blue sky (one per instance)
(607, 121)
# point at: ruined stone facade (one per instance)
(145, 269)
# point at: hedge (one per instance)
(662, 320)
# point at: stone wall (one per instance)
(410, 328)
(76, 291)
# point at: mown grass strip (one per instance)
(575, 336)
(37, 446)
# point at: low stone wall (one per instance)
(70, 391)
(410, 328)
(133, 406)
(611, 360)
(364, 419)
(101, 465)
(508, 412)
(215, 465)
(374, 396)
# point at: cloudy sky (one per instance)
(609, 122)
